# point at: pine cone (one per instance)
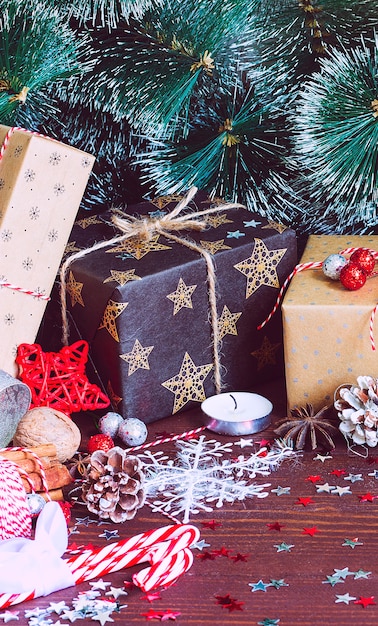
(357, 408)
(114, 488)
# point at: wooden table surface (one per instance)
(305, 557)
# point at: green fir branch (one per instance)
(38, 50)
(239, 156)
(153, 70)
(336, 130)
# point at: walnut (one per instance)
(45, 424)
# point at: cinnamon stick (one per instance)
(44, 450)
(56, 476)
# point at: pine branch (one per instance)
(37, 51)
(235, 150)
(152, 69)
(337, 131)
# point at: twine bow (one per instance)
(144, 227)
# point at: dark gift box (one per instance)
(146, 307)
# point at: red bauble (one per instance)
(100, 442)
(364, 258)
(352, 276)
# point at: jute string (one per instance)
(145, 228)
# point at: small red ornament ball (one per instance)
(100, 442)
(364, 258)
(352, 276)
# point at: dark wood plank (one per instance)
(307, 599)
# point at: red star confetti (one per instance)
(162, 616)
(365, 601)
(275, 526)
(58, 379)
(206, 556)
(305, 501)
(264, 443)
(338, 472)
(151, 596)
(212, 524)
(310, 531)
(221, 552)
(314, 479)
(229, 603)
(367, 497)
(239, 557)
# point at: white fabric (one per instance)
(36, 564)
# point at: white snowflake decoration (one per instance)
(200, 476)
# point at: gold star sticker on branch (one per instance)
(121, 277)
(74, 289)
(260, 267)
(217, 219)
(138, 357)
(188, 383)
(114, 398)
(280, 228)
(227, 322)
(182, 297)
(214, 246)
(88, 221)
(138, 248)
(266, 354)
(112, 311)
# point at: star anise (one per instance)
(304, 424)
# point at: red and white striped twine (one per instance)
(316, 265)
(29, 292)
(186, 435)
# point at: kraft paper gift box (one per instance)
(42, 182)
(326, 327)
(144, 308)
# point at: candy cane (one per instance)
(166, 549)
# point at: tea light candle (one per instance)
(236, 413)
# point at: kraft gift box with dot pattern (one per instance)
(42, 182)
(327, 341)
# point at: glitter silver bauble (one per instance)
(109, 423)
(333, 265)
(35, 503)
(132, 432)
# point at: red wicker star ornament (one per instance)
(58, 379)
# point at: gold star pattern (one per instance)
(121, 277)
(112, 311)
(162, 201)
(114, 398)
(217, 219)
(182, 297)
(214, 246)
(138, 357)
(260, 267)
(280, 228)
(88, 221)
(74, 289)
(227, 322)
(138, 248)
(188, 383)
(70, 248)
(266, 354)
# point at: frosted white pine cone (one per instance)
(114, 488)
(357, 409)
